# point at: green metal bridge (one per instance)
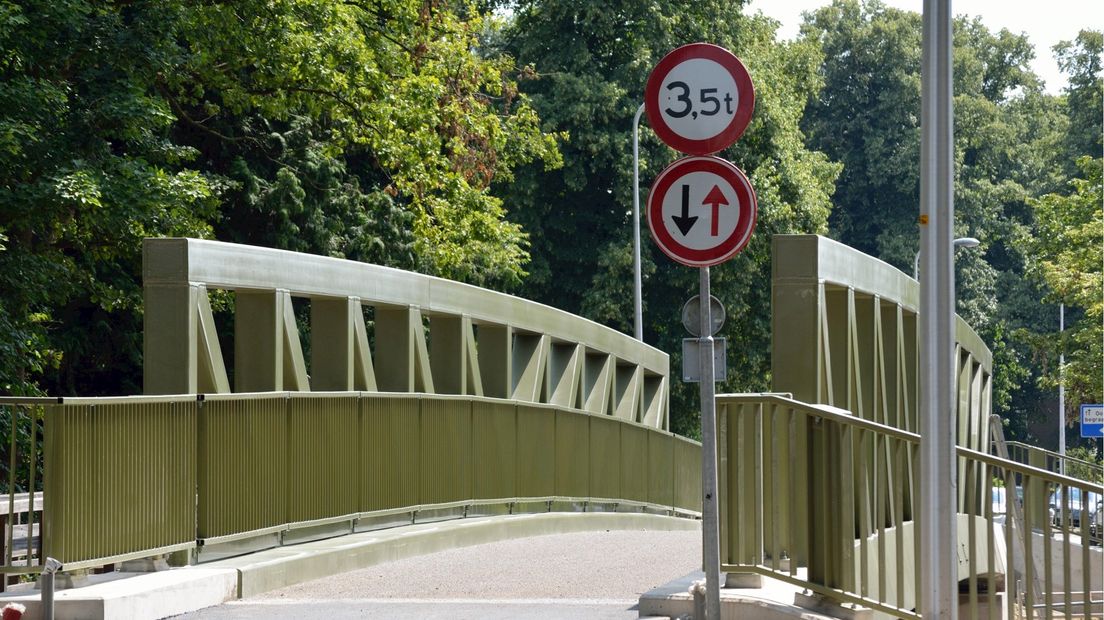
(428, 399)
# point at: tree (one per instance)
(589, 64)
(1069, 257)
(86, 172)
(286, 95)
(363, 130)
(1080, 60)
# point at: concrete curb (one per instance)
(182, 590)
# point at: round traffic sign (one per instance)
(691, 315)
(699, 99)
(701, 211)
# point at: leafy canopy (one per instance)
(369, 130)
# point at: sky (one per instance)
(1046, 23)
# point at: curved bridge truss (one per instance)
(430, 335)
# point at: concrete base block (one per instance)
(782, 564)
(769, 602)
(67, 580)
(826, 606)
(488, 510)
(144, 565)
(179, 559)
(743, 580)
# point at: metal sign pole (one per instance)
(711, 539)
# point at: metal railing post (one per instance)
(49, 572)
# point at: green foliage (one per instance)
(370, 131)
(1081, 61)
(86, 171)
(589, 63)
(1090, 465)
(23, 429)
(1069, 251)
(291, 93)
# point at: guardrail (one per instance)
(1053, 461)
(422, 334)
(134, 477)
(21, 470)
(854, 519)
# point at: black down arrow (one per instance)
(686, 222)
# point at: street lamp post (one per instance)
(937, 521)
(961, 242)
(638, 320)
(1061, 391)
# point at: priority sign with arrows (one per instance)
(701, 211)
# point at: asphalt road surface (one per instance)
(560, 576)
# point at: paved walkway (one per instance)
(580, 575)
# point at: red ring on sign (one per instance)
(731, 245)
(744, 107)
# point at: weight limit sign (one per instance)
(699, 99)
(701, 211)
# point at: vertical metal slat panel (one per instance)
(494, 450)
(572, 454)
(242, 465)
(111, 467)
(323, 456)
(634, 463)
(390, 458)
(605, 457)
(687, 457)
(661, 469)
(536, 460)
(738, 503)
(446, 467)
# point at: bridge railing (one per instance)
(1054, 461)
(848, 501)
(844, 334)
(134, 477)
(373, 328)
(21, 475)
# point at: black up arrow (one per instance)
(686, 222)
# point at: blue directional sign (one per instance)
(1092, 421)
